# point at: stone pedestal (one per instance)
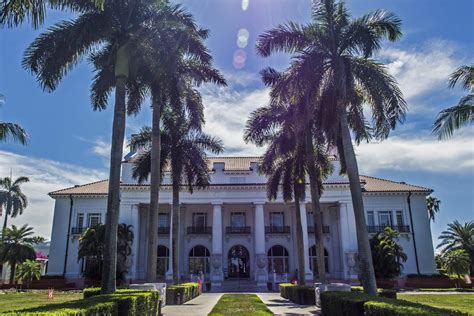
(217, 275)
(261, 275)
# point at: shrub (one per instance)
(299, 294)
(359, 304)
(181, 293)
(123, 303)
(388, 293)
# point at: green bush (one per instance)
(93, 291)
(181, 293)
(388, 293)
(359, 304)
(123, 303)
(299, 294)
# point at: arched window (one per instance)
(162, 260)
(199, 260)
(278, 259)
(313, 260)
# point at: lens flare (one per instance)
(245, 5)
(243, 38)
(239, 59)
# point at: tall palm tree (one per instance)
(17, 247)
(459, 236)
(455, 117)
(432, 204)
(118, 31)
(12, 198)
(183, 151)
(334, 53)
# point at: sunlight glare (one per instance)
(240, 57)
(243, 38)
(245, 5)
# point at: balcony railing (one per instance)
(237, 229)
(311, 229)
(378, 229)
(199, 230)
(277, 229)
(164, 230)
(78, 230)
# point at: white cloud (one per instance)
(226, 113)
(240, 78)
(420, 72)
(45, 176)
(419, 153)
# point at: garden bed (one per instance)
(240, 305)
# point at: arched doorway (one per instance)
(162, 260)
(199, 260)
(313, 263)
(238, 262)
(278, 260)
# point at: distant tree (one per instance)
(12, 198)
(91, 249)
(388, 256)
(459, 237)
(432, 204)
(462, 114)
(17, 247)
(28, 271)
(457, 262)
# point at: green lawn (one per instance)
(460, 302)
(16, 301)
(240, 305)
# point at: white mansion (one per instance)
(231, 231)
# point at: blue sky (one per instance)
(70, 143)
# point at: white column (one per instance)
(169, 272)
(261, 275)
(217, 274)
(348, 240)
(304, 224)
(135, 222)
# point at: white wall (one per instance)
(58, 236)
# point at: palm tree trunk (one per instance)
(12, 272)
(113, 200)
(366, 267)
(4, 224)
(155, 180)
(175, 228)
(317, 213)
(299, 239)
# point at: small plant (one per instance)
(28, 271)
(456, 262)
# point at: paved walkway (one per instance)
(203, 304)
(281, 306)
(200, 306)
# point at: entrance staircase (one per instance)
(239, 285)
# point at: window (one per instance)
(370, 218)
(313, 262)
(163, 220)
(237, 219)
(277, 219)
(80, 220)
(162, 260)
(385, 218)
(278, 260)
(400, 218)
(199, 220)
(93, 219)
(310, 218)
(199, 260)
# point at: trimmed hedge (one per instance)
(359, 304)
(388, 293)
(299, 294)
(181, 293)
(122, 303)
(93, 291)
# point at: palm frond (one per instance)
(453, 118)
(13, 131)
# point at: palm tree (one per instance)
(12, 130)
(432, 204)
(459, 237)
(12, 198)
(14, 12)
(17, 247)
(334, 59)
(28, 271)
(183, 150)
(117, 32)
(457, 262)
(455, 117)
